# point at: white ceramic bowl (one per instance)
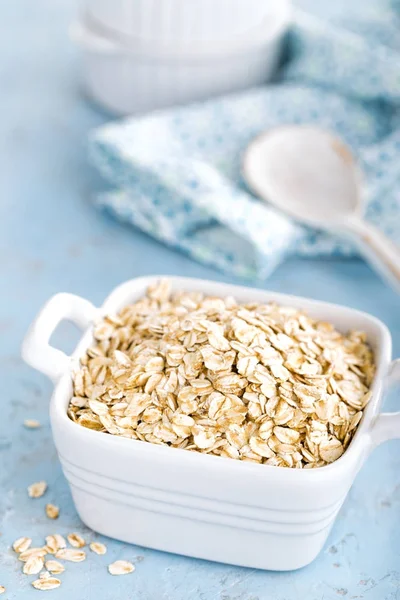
(194, 504)
(179, 21)
(128, 76)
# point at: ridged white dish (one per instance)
(133, 75)
(203, 506)
(180, 21)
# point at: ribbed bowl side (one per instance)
(221, 542)
(180, 21)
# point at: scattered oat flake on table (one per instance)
(31, 423)
(54, 567)
(44, 575)
(44, 584)
(27, 554)
(98, 548)
(71, 554)
(76, 540)
(52, 511)
(255, 382)
(121, 567)
(36, 490)
(55, 542)
(22, 544)
(33, 565)
(61, 543)
(2, 589)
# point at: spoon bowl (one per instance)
(310, 174)
(305, 171)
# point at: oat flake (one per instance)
(98, 548)
(36, 490)
(27, 554)
(44, 575)
(49, 583)
(121, 567)
(71, 554)
(76, 540)
(31, 424)
(52, 511)
(22, 544)
(55, 542)
(33, 565)
(54, 567)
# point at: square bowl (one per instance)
(190, 503)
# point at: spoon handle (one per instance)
(380, 251)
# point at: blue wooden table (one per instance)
(52, 239)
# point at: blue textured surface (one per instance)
(52, 239)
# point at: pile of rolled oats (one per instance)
(255, 382)
(35, 563)
(34, 558)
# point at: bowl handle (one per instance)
(387, 425)
(36, 350)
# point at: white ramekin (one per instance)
(194, 504)
(128, 76)
(179, 21)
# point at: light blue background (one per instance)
(52, 239)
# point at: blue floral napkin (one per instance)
(176, 174)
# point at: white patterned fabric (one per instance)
(176, 173)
